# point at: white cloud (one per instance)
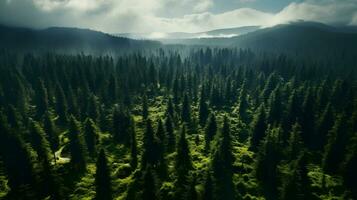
(164, 15)
(327, 11)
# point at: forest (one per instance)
(199, 123)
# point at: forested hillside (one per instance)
(218, 124)
(67, 40)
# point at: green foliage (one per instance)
(103, 186)
(287, 125)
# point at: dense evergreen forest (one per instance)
(209, 123)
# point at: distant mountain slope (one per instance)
(66, 39)
(228, 32)
(299, 37)
(293, 37)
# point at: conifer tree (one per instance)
(133, 148)
(41, 99)
(51, 133)
(222, 165)
(121, 124)
(145, 108)
(150, 147)
(243, 103)
(18, 166)
(268, 158)
(295, 144)
(103, 186)
(149, 187)
(210, 131)
(91, 136)
(324, 124)
(297, 184)
(171, 138)
(170, 108)
(183, 158)
(208, 188)
(259, 127)
(61, 106)
(48, 180)
(76, 147)
(203, 111)
(336, 146)
(186, 110)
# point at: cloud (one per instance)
(162, 16)
(326, 11)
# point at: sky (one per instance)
(162, 16)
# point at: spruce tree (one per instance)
(103, 186)
(259, 127)
(203, 111)
(222, 165)
(145, 107)
(76, 148)
(150, 147)
(208, 188)
(210, 131)
(133, 148)
(186, 110)
(41, 99)
(18, 166)
(121, 124)
(171, 138)
(269, 156)
(61, 106)
(297, 185)
(51, 133)
(170, 108)
(91, 136)
(336, 146)
(149, 187)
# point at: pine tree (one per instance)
(222, 165)
(259, 127)
(149, 187)
(186, 110)
(208, 188)
(183, 158)
(91, 136)
(103, 186)
(243, 103)
(93, 108)
(192, 192)
(38, 141)
(297, 184)
(121, 124)
(336, 146)
(325, 123)
(295, 144)
(41, 100)
(170, 108)
(48, 183)
(18, 166)
(269, 156)
(76, 148)
(150, 147)
(61, 106)
(133, 148)
(51, 133)
(307, 119)
(171, 138)
(203, 111)
(210, 131)
(145, 108)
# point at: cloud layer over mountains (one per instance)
(165, 15)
